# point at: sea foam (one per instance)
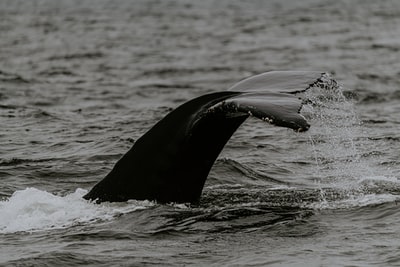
(32, 209)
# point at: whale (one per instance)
(171, 161)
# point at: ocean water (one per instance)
(80, 81)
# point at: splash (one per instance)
(34, 210)
(333, 135)
(336, 145)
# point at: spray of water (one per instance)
(335, 147)
(335, 126)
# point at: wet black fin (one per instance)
(171, 162)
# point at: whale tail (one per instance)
(171, 162)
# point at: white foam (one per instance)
(32, 209)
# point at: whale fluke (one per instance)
(171, 162)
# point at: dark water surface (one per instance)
(80, 81)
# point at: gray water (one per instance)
(80, 81)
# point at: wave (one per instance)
(78, 56)
(19, 161)
(369, 95)
(32, 209)
(167, 71)
(9, 77)
(229, 171)
(356, 193)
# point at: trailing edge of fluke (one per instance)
(171, 161)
